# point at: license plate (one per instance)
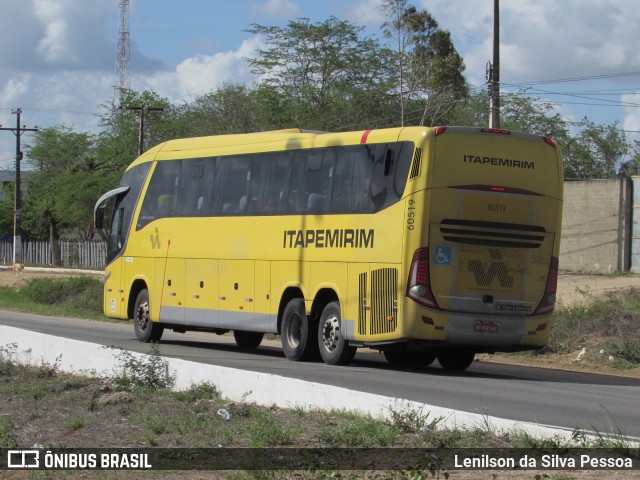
(486, 327)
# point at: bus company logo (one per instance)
(336, 238)
(23, 459)
(497, 269)
(155, 240)
(499, 162)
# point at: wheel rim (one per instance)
(142, 315)
(294, 331)
(331, 332)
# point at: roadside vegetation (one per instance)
(78, 297)
(43, 407)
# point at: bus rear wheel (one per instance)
(298, 332)
(334, 347)
(146, 330)
(456, 361)
(247, 339)
(400, 358)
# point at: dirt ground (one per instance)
(573, 289)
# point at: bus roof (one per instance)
(293, 138)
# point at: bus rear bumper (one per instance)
(497, 331)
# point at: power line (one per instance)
(579, 79)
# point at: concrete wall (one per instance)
(596, 226)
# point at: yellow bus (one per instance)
(421, 243)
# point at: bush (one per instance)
(79, 292)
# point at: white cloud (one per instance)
(275, 9)
(204, 73)
(543, 39)
(631, 121)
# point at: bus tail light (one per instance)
(419, 285)
(549, 300)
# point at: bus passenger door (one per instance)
(201, 300)
(114, 294)
(173, 291)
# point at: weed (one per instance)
(266, 430)
(199, 391)
(76, 423)
(626, 349)
(353, 430)
(150, 371)
(7, 436)
(9, 353)
(410, 420)
(156, 424)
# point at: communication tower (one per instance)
(123, 55)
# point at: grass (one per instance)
(611, 324)
(74, 411)
(77, 297)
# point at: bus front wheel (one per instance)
(146, 330)
(247, 339)
(298, 332)
(456, 361)
(334, 347)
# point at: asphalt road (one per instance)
(544, 396)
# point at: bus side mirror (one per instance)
(98, 218)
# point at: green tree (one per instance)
(63, 191)
(599, 151)
(321, 75)
(230, 109)
(430, 70)
(7, 204)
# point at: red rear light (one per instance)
(548, 141)
(496, 130)
(549, 299)
(419, 286)
(440, 130)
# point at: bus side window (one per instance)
(232, 185)
(160, 198)
(379, 179)
(268, 182)
(317, 180)
(350, 193)
(191, 187)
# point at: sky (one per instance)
(58, 57)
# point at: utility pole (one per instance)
(142, 109)
(493, 70)
(17, 234)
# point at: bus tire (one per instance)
(402, 359)
(247, 339)
(456, 361)
(334, 347)
(146, 330)
(297, 332)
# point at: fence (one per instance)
(73, 253)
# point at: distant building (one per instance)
(9, 177)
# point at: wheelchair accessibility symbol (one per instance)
(442, 255)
